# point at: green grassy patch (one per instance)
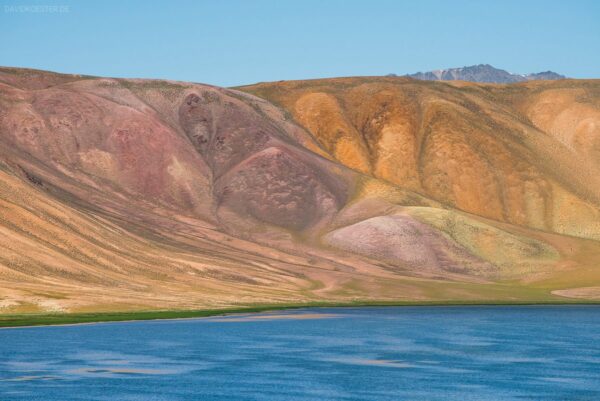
(35, 319)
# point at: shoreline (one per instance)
(31, 320)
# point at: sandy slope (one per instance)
(139, 194)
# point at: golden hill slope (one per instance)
(527, 154)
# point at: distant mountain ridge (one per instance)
(483, 73)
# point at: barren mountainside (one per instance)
(517, 153)
(126, 194)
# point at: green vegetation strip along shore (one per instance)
(49, 319)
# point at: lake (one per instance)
(372, 353)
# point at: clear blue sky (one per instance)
(237, 42)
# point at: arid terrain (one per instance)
(126, 194)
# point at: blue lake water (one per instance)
(392, 353)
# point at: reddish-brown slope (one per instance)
(206, 151)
